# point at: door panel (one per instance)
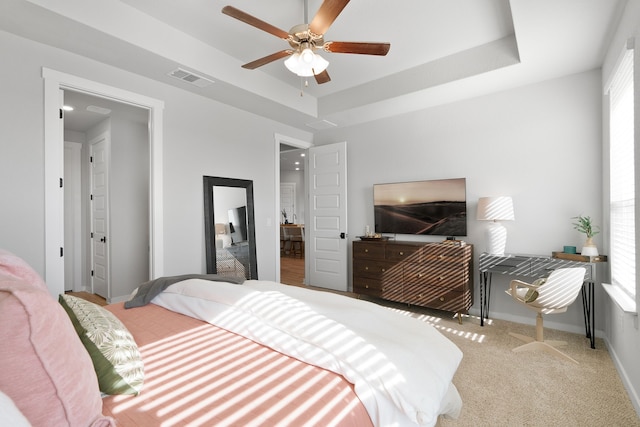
(327, 243)
(100, 216)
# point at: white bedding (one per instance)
(401, 367)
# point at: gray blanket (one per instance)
(148, 290)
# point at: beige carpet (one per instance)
(502, 388)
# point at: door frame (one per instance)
(54, 81)
(294, 142)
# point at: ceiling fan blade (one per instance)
(267, 59)
(328, 12)
(322, 77)
(251, 20)
(363, 48)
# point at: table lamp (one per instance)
(494, 209)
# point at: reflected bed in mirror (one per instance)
(230, 227)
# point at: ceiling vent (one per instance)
(189, 77)
(98, 110)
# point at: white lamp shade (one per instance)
(498, 208)
(306, 64)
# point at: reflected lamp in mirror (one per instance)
(494, 209)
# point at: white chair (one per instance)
(557, 293)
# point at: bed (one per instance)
(223, 353)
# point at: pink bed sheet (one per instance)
(197, 374)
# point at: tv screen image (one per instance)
(432, 207)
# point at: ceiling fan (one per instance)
(304, 39)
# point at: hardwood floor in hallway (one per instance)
(292, 270)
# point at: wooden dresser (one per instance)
(434, 275)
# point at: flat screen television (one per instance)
(238, 224)
(432, 207)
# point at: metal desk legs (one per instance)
(588, 309)
(485, 295)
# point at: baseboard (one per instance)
(531, 320)
(631, 391)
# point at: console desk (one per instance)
(537, 266)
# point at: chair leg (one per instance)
(539, 343)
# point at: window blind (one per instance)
(621, 170)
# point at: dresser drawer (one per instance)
(368, 250)
(441, 299)
(408, 253)
(440, 274)
(376, 269)
(447, 253)
(377, 288)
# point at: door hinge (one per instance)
(61, 252)
(91, 273)
(91, 197)
(61, 182)
(92, 234)
(61, 114)
(90, 159)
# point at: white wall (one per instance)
(201, 137)
(622, 329)
(540, 144)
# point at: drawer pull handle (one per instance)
(366, 268)
(366, 286)
(441, 278)
(440, 256)
(401, 253)
(441, 298)
(383, 270)
(366, 250)
(419, 275)
(420, 296)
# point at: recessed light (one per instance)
(302, 154)
(67, 108)
(296, 163)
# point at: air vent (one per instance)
(322, 125)
(190, 77)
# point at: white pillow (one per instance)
(10, 415)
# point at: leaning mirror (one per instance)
(229, 226)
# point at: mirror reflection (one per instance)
(230, 227)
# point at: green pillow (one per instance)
(115, 355)
(532, 294)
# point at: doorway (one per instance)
(54, 83)
(109, 215)
(290, 269)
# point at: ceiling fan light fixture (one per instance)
(306, 64)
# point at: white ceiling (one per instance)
(441, 50)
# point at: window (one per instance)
(621, 171)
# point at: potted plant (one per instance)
(584, 225)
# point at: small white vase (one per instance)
(589, 248)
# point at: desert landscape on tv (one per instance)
(423, 207)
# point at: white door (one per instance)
(99, 198)
(326, 242)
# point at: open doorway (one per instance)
(106, 193)
(292, 214)
(55, 83)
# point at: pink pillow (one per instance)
(45, 369)
(14, 266)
